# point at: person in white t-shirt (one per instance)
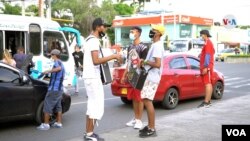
(154, 64)
(92, 78)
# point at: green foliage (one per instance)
(244, 27)
(123, 9)
(32, 9)
(240, 56)
(84, 12)
(13, 10)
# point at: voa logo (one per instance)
(236, 132)
(229, 22)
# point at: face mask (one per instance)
(51, 59)
(132, 36)
(101, 34)
(151, 34)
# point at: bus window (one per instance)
(1, 45)
(55, 40)
(13, 39)
(35, 39)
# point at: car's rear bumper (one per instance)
(119, 89)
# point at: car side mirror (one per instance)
(25, 79)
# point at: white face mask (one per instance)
(51, 59)
(132, 36)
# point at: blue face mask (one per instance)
(132, 36)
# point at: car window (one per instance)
(178, 63)
(194, 64)
(8, 76)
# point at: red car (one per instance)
(180, 80)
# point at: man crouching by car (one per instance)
(52, 102)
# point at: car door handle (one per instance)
(176, 74)
(197, 75)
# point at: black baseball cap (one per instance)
(100, 22)
(205, 32)
(137, 28)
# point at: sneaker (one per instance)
(205, 104)
(147, 133)
(138, 124)
(57, 125)
(143, 129)
(93, 137)
(43, 126)
(131, 123)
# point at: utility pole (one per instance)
(23, 8)
(48, 8)
(40, 8)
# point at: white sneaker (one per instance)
(57, 125)
(131, 123)
(43, 126)
(138, 124)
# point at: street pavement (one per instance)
(197, 124)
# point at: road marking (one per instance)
(238, 86)
(231, 79)
(227, 91)
(84, 102)
(71, 88)
(236, 82)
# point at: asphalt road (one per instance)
(116, 114)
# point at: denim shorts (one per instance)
(52, 102)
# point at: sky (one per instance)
(215, 9)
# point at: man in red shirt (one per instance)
(206, 67)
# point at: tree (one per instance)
(32, 9)
(123, 9)
(13, 10)
(84, 12)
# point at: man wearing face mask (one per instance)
(154, 64)
(135, 94)
(92, 77)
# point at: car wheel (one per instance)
(125, 100)
(40, 115)
(218, 90)
(171, 99)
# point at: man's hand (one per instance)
(124, 80)
(205, 71)
(141, 63)
(118, 57)
(46, 72)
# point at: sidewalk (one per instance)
(203, 124)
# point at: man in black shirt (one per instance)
(78, 58)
